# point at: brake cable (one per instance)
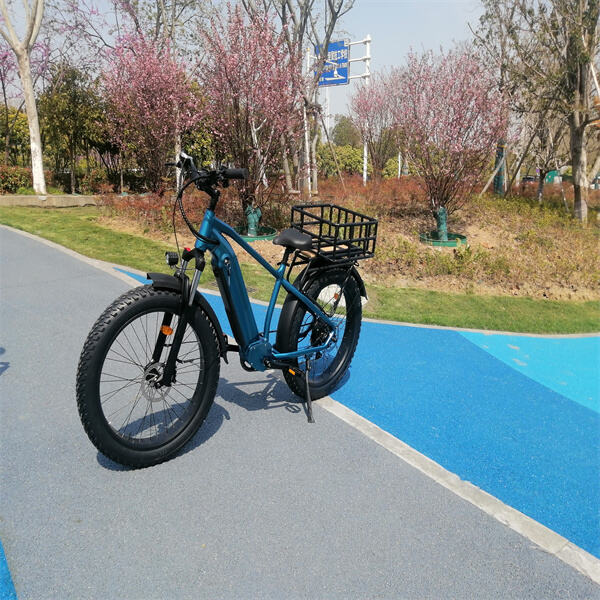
(179, 201)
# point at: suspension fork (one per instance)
(187, 313)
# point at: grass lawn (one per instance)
(78, 229)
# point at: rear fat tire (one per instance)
(114, 320)
(289, 332)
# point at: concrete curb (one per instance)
(545, 538)
(484, 331)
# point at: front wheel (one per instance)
(125, 411)
(338, 295)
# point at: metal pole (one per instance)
(327, 110)
(367, 76)
(306, 140)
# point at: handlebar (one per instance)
(206, 181)
(235, 173)
(205, 177)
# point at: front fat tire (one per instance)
(123, 311)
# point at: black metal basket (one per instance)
(338, 234)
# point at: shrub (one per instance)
(350, 160)
(13, 178)
(90, 183)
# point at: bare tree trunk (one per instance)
(595, 168)
(306, 158)
(37, 165)
(579, 165)
(87, 159)
(22, 49)
(286, 165)
(7, 147)
(313, 164)
(72, 161)
(6, 124)
(177, 153)
(121, 171)
(540, 190)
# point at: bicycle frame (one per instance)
(254, 346)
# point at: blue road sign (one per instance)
(337, 65)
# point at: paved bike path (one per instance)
(260, 504)
(487, 407)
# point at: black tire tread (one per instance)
(295, 383)
(124, 302)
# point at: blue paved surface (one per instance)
(480, 418)
(488, 408)
(569, 366)
(7, 589)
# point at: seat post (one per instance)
(286, 255)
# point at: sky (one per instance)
(395, 27)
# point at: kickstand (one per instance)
(309, 413)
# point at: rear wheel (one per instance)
(339, 297)
(125, 411)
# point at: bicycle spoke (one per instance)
(137, 399)
(114, 392)
(131, 346)
(127, 354)
(151, 414)
(120, 378)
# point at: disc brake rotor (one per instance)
(149, 389)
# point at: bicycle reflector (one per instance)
(172, 258)
(166, 330)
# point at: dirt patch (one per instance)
(515, 247)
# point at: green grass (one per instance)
(503, 313)
(78, 229)
(29, 191)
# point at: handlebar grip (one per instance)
(235, 173)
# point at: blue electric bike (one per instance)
(149, 369)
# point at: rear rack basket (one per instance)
(338, 234)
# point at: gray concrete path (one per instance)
(259, 505)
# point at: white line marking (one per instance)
(545, 538)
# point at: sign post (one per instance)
(337, 72)
(366, 76)
(337, 64)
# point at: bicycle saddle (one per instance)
(292, 238)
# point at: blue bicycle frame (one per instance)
(254, 346)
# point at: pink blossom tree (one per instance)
(252, 82)
(450, 117)
(372, 112)
(150, 101)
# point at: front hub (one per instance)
(151, 387)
